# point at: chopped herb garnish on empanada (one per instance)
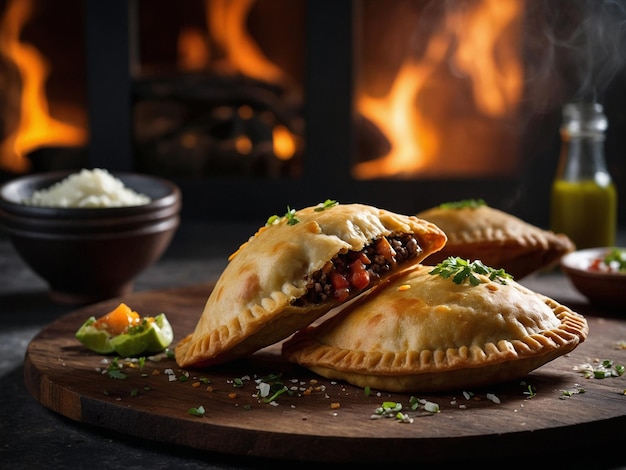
(460, 269)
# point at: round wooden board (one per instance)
(331, 423)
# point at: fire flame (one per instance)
(235, 52)
(226, 22)
(469, 40)
(36, 127)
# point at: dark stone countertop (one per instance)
(32, 436)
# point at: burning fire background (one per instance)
(448, 90)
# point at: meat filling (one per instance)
(356, 270)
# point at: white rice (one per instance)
(87, 189)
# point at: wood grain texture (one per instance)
(63, 376)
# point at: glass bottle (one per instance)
(584, 198)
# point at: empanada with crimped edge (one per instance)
(265, 293)
(419, 332)
(499, 239)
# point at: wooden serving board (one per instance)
(331, 423)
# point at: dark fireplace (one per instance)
(253, 105)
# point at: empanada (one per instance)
(296, 269)
(419, 332)
(499, 239)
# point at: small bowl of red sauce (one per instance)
(599, 274)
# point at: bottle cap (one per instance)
(582, 119)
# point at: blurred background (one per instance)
(253, 105)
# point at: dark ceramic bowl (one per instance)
(606, 289)
(90, 254)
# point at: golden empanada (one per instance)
(421, 332)
(499, 239)
(296, 269)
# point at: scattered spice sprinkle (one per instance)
(269, 388)
(392, 409)
(199, 411)
(493, 398)
(600, 369)
(577, 390)
(529, 390)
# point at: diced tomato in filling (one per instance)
(339, 281)
(341, 285)
(359, 277)
(354, 271)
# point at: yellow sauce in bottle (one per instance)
(584, 210)
(584, 198)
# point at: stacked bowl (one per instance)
(90, 254)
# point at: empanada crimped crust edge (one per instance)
(251, 305)
(498, 238)
(434, 369)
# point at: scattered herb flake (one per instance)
(569, 393)
(403, 418)
(389, 409)
(392, 409)
(276, 394)
(199, 411)
(116, 374)
(291, 216)
(114, 370)
(603, 370)
(431, 407)
(530, 390)
(327, 204)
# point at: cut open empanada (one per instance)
(499, 239)
(296, 269)
(421, 332)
